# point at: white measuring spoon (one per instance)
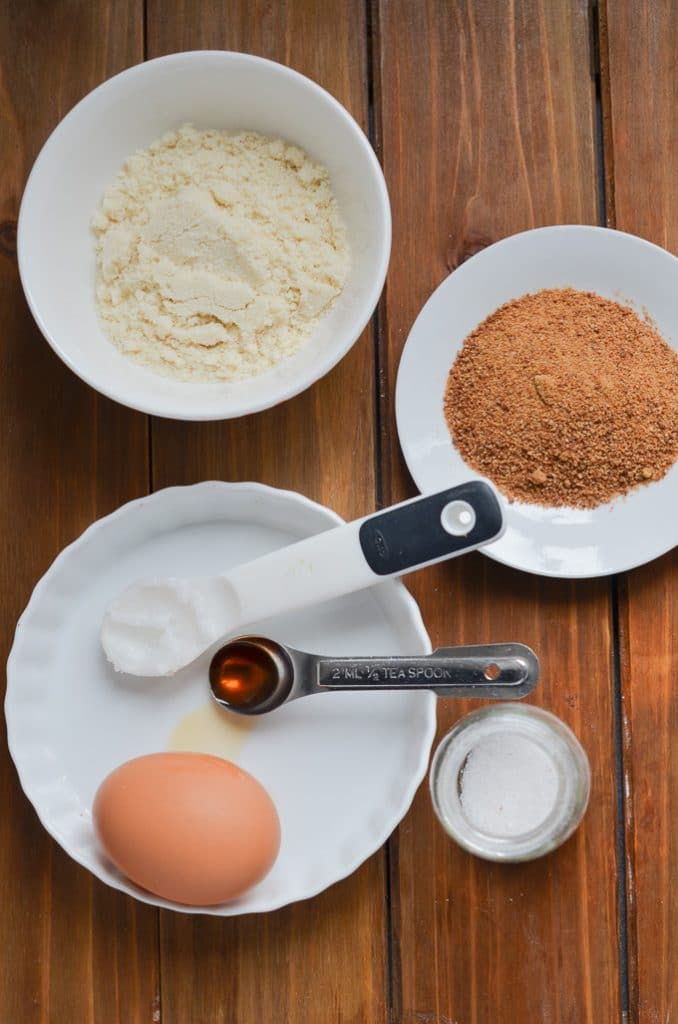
(156, 627)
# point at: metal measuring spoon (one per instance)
(253, 675)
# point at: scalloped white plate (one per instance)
(342, 768)
(566, 542)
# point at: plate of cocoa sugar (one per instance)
(548, 363)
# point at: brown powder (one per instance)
(565, 398)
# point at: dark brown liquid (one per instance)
(243, 675)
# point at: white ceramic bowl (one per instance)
(568, 542)
(211, 89)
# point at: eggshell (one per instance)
(192, 828)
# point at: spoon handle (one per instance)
(489, 670)
(392, 542)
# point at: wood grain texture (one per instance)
(321, 443)
(322, 960)
(72, 949)
(640, 83)
(485, 123)
(486, 128)
(639, 43)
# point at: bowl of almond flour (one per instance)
(204, 235)
(548, 363)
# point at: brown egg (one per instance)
(192, 828)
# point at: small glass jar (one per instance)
(510, 782)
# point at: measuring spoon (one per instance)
(253, 675)
(155, 627)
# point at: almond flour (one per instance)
(217, 254)
(565, 398)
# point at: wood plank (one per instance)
(639, 43)
(329, 429)
(323, 959)
(640, 80)
(486, 127)
(73, 950)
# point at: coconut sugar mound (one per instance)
(217, 254)
(564, 398)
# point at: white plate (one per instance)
(342, 768)
(550, 541)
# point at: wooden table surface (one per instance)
(489, 117)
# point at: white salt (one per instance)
(509, 785)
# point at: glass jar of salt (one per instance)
(510, 782)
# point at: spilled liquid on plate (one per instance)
(211, 730)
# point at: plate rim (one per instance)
(120, 883)
(589, 229)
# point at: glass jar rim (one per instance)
(555, 738)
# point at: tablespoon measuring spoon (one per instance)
(253, 675)
(157, 626)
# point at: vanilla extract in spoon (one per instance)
(253, 675)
